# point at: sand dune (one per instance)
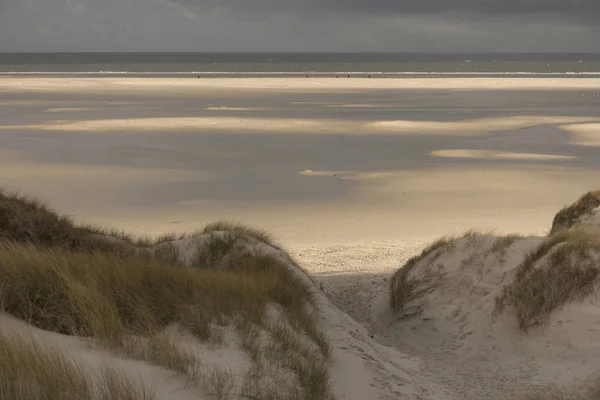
(452, 332)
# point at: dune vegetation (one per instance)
(569, 216)
(127, 294)
(31, 370)
(563, 268)
(405, 287)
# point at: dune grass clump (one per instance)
(405, 288)
(562, 269)
(126, 292)
(33, 371)
(106, 294)
(224, 226)
(112, 297)
(24, 219)
(216, 247)
(569, 216)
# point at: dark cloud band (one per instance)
(566, 8)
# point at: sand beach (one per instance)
(353, 177)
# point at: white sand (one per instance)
(111, 84)
(462, 346)
(489, 154)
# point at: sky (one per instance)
(300, 25)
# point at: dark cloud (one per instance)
(567, 8)
(300, 25)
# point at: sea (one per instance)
(291, 64)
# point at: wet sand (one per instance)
(318, 161)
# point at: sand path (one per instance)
(360, 289)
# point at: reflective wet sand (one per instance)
(317, 161)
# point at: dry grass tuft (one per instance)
(114, 385)
(106, 295)
(224, 226)
(562, 269)
(220, 382)
(33, 371)
(24, 219)
(569, 216)
(504, 242)
(218, 248)
(405, 288)
(161, 349)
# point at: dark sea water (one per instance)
(275, 64)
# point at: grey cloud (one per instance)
(567, 8)
(299, 25)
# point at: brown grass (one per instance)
(161, 349)
(24, 219)
(125, 291)
(33, 371)
(109, 296)
(562, 269)
(569, 216)
(224, 226)
(105, 294)
(217, 247)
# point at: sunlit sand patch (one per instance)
(584, 134)
(321, 103)
(349, 105)
(104, 84)
(469, 127)
(388, 205)
(490, 154)
(68, 109)
(475, 127)
(504, 182)
(225, 108)
(339, 174)
(189, 124)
